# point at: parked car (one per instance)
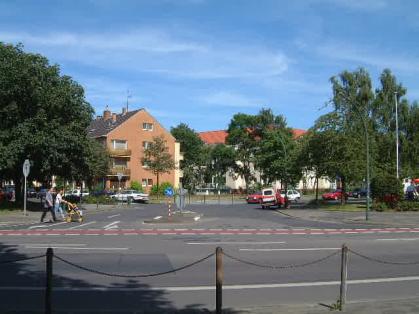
(254, 198)
(42, 192)
(102, 193)
(271, 198)
(358, 192)
(131, 195)
(77, 192)
(335, 195)
(31, 192)
(293, 195)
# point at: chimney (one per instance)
(106, 114)
(124, 110)
(113, 117)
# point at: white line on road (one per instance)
(82, 225)
(78, 248)
(111, 224)
(400, 239)
(233, 242)
(54, 244)
(225, 287)
(306, 249)
(47, 225)
(114, 215)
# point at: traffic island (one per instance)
(176, 217)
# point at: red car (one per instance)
(254, 198)
(335, 195)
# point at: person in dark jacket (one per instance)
(49, 205)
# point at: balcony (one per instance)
(119, 152)
(126, 172)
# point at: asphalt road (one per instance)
(253, 273)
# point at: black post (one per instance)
(343, 277)
(219, 274)
(48, 290)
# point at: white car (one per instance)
(131, 195)
(77, 192)
(293, 195)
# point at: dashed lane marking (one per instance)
(112, 229)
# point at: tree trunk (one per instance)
(343, 198)
(317, 188)
(17, 180)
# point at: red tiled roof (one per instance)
(298, 132)
(219, 137)
(213, 137)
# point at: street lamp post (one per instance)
(397, 136)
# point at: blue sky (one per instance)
(201, 61)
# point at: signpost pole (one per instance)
(26, 169)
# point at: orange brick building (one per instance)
(125, 136)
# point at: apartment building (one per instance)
(236, 182)
(126, 135)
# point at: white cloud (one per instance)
(229, 99)
(366, 56)
(157, 52)
(361, 5)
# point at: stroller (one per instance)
(74, 214)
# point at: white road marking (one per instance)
(54, 244)
(114, 215)
(306, 249)
(111, 224)
(225, 287)
(233, 242)
(82, 225)
(78, 248)
(400, 239)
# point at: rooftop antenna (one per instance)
(128, 96)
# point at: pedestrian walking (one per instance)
(58, 201)
(411, 191)
(48, 205)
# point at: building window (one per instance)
(146, 163)
(146, 144)
(146, 182)
(147, 126)
(120, 163)
(119, 144)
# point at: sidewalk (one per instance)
(387, 219)
(405, 306)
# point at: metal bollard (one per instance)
(343, 277)
(219, 275)
(48, 290)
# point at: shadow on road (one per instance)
(23, 282)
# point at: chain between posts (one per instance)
(133, 276)
(372, 259)
(284, 266)
(22, 259)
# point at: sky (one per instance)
(200, 61)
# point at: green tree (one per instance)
(44, 118)
(157, 158)
(222, 160)
(241, 136)
(195, 155)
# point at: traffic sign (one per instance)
(26, 167)
(168, 191)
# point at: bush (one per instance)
(135, 185)
(102, 199)
(408, 206)
(388, 189)
(160, 190)
(379, 206)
